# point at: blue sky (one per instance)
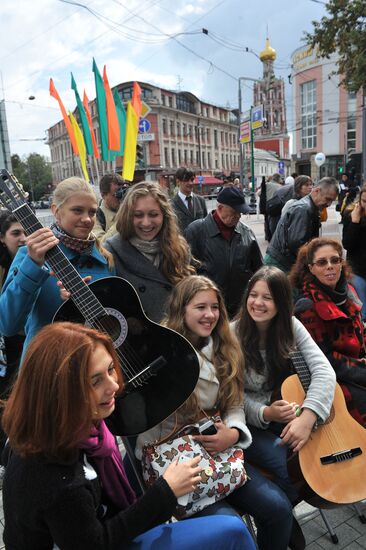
(146, 40)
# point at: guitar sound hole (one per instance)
(114, 324)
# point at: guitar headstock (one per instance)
(12, 194)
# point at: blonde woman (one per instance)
(30, 295)
(196, 309)
(148, 249)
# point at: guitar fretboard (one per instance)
(301, 368)
(84, 299)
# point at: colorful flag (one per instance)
(70, 131)
(83, 118)
(114, 141)
(129, 160)
(102, 111)
(121, 113)
(90, 122)
(136, 101)
(81, 145)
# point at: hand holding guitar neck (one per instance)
(39, 243)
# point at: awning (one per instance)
(208, 180)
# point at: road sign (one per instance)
(245, 116)
(257, 117)
(200, 180)
(281, 167)
(244, 132)
(145, 109)
(144, 126)
(145, 137)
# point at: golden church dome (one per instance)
(268, 54)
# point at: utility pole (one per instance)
(252, 149)
(240, 80)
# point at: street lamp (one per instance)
(240, 80)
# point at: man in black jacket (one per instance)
(226, 248)
(299, 224)
(187, 206)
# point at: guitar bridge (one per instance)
(341, 456)
(145, 374)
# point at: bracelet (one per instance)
(298, 411)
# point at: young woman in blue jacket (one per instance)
(30, 295)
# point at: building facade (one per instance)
(327, 118)
(180, 130)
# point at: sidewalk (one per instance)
(350, 531)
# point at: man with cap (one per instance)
(187, 205)
(226, 248)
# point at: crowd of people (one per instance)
(200, 274)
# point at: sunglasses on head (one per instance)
(322, 262)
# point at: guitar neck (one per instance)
(84, 299)
(301, 368)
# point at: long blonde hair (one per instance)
(68, 187)
(175, 249)
(227, 357)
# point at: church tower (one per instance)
(270, 92)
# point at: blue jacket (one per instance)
(30, 296)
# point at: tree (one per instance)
(34, 172)
(344, 32)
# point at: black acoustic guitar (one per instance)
(160, 367)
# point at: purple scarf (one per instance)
(102, 449)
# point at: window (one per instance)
(184, 129)
(208, 135)
(203, 159)
(208, 160)
(351, 123)
(179, 157)
(184, 104)
(198, 158)
(191, 131)
(166, 156)
(126, 93)
(171, 125)
(216, 141)
(165, 128)
(163, 99)
(308, 114)
(173, 157)
(185, 156)
(191, 157)
(222, 160)
(170, 101)
(178, 128)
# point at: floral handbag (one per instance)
(221, 474)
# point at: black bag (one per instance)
(274, 206)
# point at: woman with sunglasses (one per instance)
(330, 309)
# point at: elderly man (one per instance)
(226, 248)
(299, 224)
(187, 205)
(111, 188)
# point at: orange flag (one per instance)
(114, 140)
(136, 101)
(69, 128)
(88, 116)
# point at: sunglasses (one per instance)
(322, 262)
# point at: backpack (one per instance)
(274, 206)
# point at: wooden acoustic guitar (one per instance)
(333, 460)
(160, 367)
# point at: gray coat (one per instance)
(183, 214)
(151, 285)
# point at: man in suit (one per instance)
(187, 206)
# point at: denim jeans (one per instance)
(206, 533)
(266, 503)
(266, 452)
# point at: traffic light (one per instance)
(140, 157)
(341, 170)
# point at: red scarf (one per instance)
(226, 232)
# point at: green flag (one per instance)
(102, 111)
(121, 113)
(83, 118)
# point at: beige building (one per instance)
(179, 130)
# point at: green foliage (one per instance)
(34, 173)
(343, 31)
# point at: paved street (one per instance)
(350, 531)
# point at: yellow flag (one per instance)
(81, 145)
(129, 159)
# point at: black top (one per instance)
(354, 241)
(47, 504)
